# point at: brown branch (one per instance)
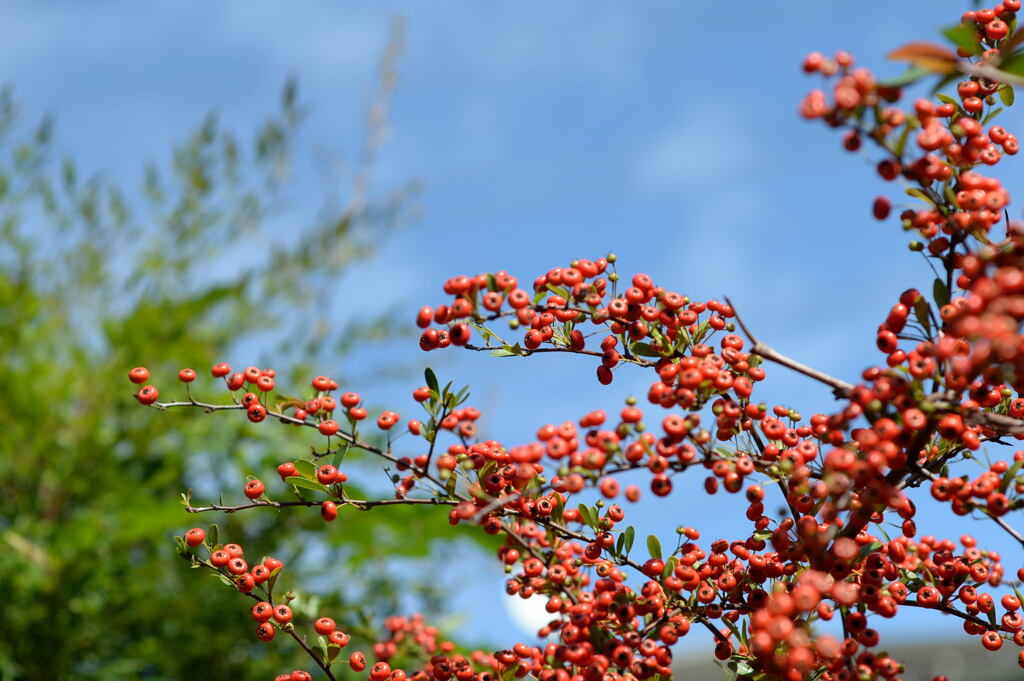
(526, 352)
(324, 666)
(840, 388)
(950, 611)
(362, 505)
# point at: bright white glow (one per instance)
(529, 614)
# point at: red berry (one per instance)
(881, 207)
(357, 661)
(260, 574)
(195, 536)
(186, 375)
(220, 369)
(265, 632)
(282, 613)
(234, 550)
(236, 381)
(138, 375)
(357, 413)
(421, 394)
(254, 489)
(265, 383)
(272, 563)
(262, 611)
(219, 558)
(251, 374)
(350, 400)
(338, 638)
(245, 583)
(286, 470)
(328, 427)
(321, 384)
(328, 511)
(386, 420)
(256, 413)
(237, 566)
(327, 474)
(324, 626)
(147, 395)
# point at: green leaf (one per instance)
(1006, 95)
(670, 566)
(307, 484)
(654, 546)
(305, 468)
(585, 515)
(911, 75)
(946, 99)
(503, 352)
(1013, 64)
(921, 312)
(272, 580)
(991, 115)
(918, 194)
(509, 672)
(940, 293)
(644, 350)
(339, 457)
(431, 378)
(213, 535)
(965, 37)
(449, 484)
(628, 535)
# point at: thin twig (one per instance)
(840, 388)
(361, 504)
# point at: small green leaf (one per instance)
(921, 312)
(305, 468)
(911, 75)
(1006, 95)
(940, 293)
(965, 37)
(213, 535)
(654, 546)
(307, 484)
(1014, 64)
(918, 194)
(628, 535)
(431, 378)
(991, 115)
(645, 350)
(503, 352)
(585, 515)
(339, 456)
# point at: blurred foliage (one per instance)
(199, 266)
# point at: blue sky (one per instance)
(664, 131)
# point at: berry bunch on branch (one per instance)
(795, 596)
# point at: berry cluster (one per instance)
(793, 597)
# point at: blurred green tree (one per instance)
(89, 491)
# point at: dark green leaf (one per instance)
(213, 535)
(940, 293)
(629, 535)
(431, 378)
(921, 312)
